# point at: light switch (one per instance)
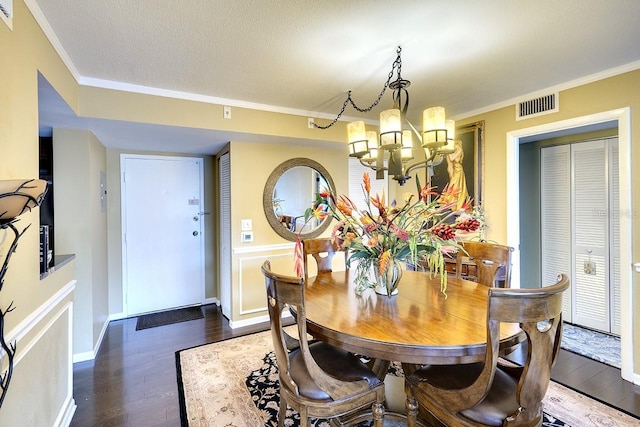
(247, 225)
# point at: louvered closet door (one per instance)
(614, 215)
(556, 218)
(224, 175)
(356, 193)
(590, 245)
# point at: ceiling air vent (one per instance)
(537, 107)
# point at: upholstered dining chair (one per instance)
(323, 250)
(489, 259)
(492, 394)
(317, 379)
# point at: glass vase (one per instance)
(387, 281)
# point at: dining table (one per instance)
(420, 325)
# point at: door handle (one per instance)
(195, 233)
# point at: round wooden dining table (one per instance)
(419, 325)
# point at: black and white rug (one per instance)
(235, 383)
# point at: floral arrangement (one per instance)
(416, 231)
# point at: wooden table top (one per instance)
(417, 326)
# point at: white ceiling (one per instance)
(302, 56)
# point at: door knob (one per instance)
(195, 233)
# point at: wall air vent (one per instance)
(537, 107)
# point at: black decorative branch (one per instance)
(23, 193)
(8, 348)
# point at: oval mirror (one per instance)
(290, 190)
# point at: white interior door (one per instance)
(163, 246)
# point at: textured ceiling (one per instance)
(303, 56)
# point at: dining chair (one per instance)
(289, 222)
(492, 263)
(322, 249)
(317, 379)
(488, 393)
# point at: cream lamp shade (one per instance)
(18, 196)
(390, 129)
(434, 133)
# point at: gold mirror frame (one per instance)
(267, 198)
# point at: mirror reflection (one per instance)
(294, 192)
(290, 190)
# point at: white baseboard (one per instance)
(90, 355)
(255, 321)
(116, 316)
(213, 300)
(66, 413)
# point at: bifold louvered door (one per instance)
(555, 227)
(224, 179)
(580, 229)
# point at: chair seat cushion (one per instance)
(335, 362)
(494, 408)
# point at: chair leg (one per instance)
(304, 417)
(282, 413)
(412, 410)
(378, 414)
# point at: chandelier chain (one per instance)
(397, 64)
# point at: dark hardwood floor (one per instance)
(132, 381)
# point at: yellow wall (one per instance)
(251, 165)
(79, 158)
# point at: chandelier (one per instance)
(393, 149)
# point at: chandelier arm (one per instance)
(423, 163)
(413, 128)
(397, 64)
(375, 168)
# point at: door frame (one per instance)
(123, 249)
(623, 117)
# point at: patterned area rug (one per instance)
(594, 345)
(168, 317)
(234, 383)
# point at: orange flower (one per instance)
(383, 261)
(379, 202)
(344, 208)
(367, 182)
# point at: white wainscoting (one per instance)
(30, 332)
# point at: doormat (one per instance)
(592, 344)
(168, 317)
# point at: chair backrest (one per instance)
(539, 313)
(492, 262)
(287, 291)
(322, 250)
(289, 222)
